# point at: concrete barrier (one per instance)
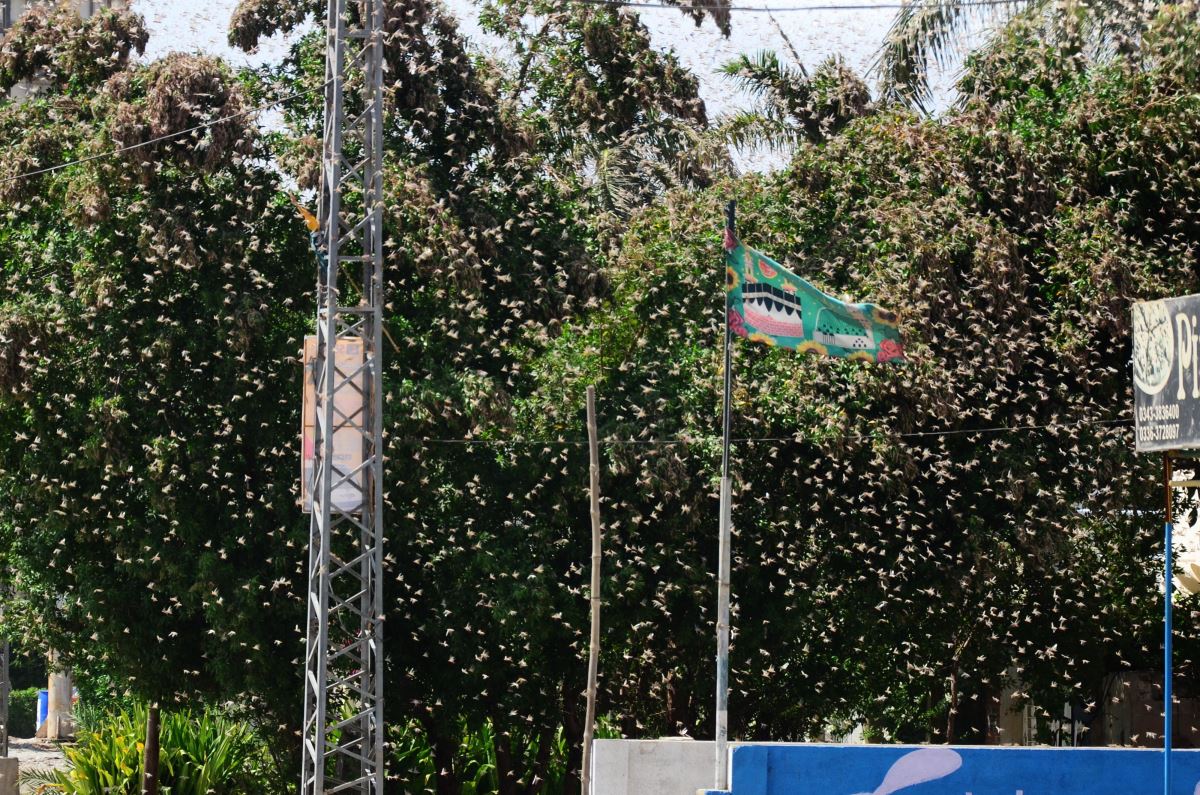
(9, 770)
(673, 766)
(814, 769)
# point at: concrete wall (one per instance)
(813, 769)
(85, 7)
(8, 776)
(672, 766)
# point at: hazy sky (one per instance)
(854, 34)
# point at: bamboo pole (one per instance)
(594, 647)
(4, 688)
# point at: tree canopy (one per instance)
(909, 541)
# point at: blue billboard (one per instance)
(811, 769)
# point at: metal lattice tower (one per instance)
(343, 677)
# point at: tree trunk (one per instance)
(681, 717)
(952, 710)
(573, 732)
(443, 758)
(150, 763)
(505, 774)
(672, 706)
(538, 781)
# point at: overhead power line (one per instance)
(767, 439)
(612, 3)
(785, 9)
(161, 138)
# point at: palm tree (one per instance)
(931, 31)
(659, 154)
(791, 106)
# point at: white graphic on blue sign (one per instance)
(816, 769)
(918, 767)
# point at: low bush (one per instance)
(412, 763)
(22, 712)
(201, 753)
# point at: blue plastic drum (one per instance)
(43, 706)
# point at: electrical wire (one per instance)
(613, 3)
(167, 137)
(765, 439)
(785, 9)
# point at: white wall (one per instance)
(85, 7)
(674, 766)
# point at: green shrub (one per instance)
(200, 754)
(99, 698)
(22, 712)
(411, 758)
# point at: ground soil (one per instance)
(36, 755)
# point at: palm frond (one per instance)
(780, 90)
(662, 153)
(750, 130)
(762, 74)
(42, 781)
(923, 32)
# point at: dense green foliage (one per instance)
(909, 540)
(22, 712)
(151, 306)
(900, 556)
(412, 760)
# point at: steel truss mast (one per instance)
(343, 676)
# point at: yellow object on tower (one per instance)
(309, 218)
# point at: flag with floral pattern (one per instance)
(771, 305)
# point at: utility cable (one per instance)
(613, 3)
(785, 9)
(766, 439)
(167, 137)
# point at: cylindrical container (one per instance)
(43, 706)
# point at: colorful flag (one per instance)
(770, 304)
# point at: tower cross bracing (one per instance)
(343, 677)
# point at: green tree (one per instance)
(493, 250)
(933, 31)
(792, 107)
(909, 540)
(151, 309)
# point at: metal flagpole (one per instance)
(342, 733)
(722, 711)
(1167, 588)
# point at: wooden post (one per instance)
(150, 764)
(59, 723)
(594, 648)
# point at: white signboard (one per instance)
(347, 426)
(1166, 373)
